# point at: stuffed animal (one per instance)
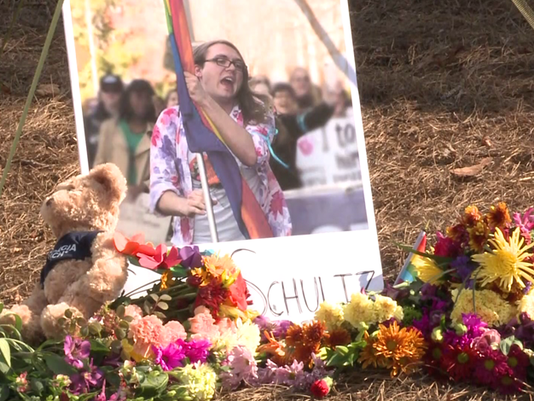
(84, 270)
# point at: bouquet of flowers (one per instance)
(476, 302)
(467, 316)
(189, 279)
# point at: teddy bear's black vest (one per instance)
(75, 245)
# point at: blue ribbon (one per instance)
(271, 151)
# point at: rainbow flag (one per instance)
(408, 274)
(203, 136)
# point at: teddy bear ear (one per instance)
(111, 179)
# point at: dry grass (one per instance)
(443, 84)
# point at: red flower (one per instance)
(160, 259)
(212, 296)
(320, 388)
(459, 362)
(239, 293)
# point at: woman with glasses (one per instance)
(245, 122)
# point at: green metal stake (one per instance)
(31, 94)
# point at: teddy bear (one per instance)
(84, 270)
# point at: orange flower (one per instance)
(274, 348)
(471, 216)
(368, 355)
(305, 340)
(499, 216)
(338, 337)
(294, 335)
(401, 348)
(221, 266)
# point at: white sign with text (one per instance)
(329, 155)
(292, 285)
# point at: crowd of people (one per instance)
(124, 128)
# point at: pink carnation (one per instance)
(171, 332)
(143, 331)
(485, 342)
(202, 325)
(133, 311)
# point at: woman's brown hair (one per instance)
(253, 105)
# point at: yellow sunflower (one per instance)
(506, 263)
(427, 270)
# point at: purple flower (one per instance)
(87, 380)
(75, 351)
(243, 367)
(528, 286)
(169, 357)
(191, 257)
(475, 325)
(464, 267)
(278, 328)
(525, 223)
(195, 350)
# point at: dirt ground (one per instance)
(443, 85)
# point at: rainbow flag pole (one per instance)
(207, 197)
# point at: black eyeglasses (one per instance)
(226, 62)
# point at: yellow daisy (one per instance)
(427, 270)
(506, 263)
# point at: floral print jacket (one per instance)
(170, 171)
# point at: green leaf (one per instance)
(179, 271)
(1, 306)
(18, 322)
(121, 310)
(95, 328)
(123, 324)
(97, 346)
(115, 346)
(4, 369)
(68, 314)
(4, 392)
(506, 344)
(58, 365)
(37, 386)
(5, 350)
(163, 306)
(120, 333)
(155, 297)
(165, 297)
(154, 384)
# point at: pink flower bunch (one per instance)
(150, 331)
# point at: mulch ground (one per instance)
(443, 85)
